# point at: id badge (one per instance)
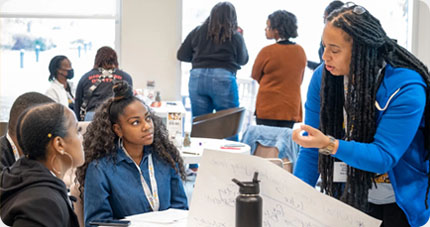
(339, 172)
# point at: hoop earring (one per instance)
(57, 172)
(119, 142)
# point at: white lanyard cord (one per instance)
(14, 148)
(152, 198)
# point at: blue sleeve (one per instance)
(306, 167)
(179, 198)
(96, 194)
(396, 130)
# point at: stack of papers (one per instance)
(170, 217)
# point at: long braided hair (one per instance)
(222, 22)
(100, 140)
(371, 49)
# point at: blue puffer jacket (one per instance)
(398, 146)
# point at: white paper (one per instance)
(287, 201)
(170, 217)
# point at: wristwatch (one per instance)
(328, 150)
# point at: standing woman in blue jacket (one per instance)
(367, 122)
(216, 50)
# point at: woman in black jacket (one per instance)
(31, 190)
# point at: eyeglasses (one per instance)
(357, 9)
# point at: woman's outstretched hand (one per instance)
(314, 139)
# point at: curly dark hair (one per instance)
(106, 58)
(222, 23)
(371, 49)
(100, 139)
(285, 23)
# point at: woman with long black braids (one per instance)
(367, 113)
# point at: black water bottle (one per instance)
(249, 204)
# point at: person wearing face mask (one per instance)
(31, 190)
(60, 69)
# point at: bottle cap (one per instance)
(249, 187)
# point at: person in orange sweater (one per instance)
(279, 70)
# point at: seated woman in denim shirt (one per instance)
(130, 165)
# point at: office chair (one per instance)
(219, 125)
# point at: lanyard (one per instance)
(151, 197)
(14, 149)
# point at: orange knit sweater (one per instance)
(279, 70)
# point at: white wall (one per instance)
(421, 31)
(150, 37)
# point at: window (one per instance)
(252, 16)
(32, 32)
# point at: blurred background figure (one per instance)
(279, 70)
(330, 8)
(216, 50)
(60, 70)
(96, 85)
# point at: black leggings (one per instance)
(390, 214)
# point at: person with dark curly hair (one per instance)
(367, 131)
(279, 70)
(216, 50)
(60, 70)
(96, 85)
(130, 165)
(31, 190)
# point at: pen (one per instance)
(187, 152)
(231, 148)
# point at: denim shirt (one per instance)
(113, 190)
(278, 137)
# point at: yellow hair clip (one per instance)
(49, 135)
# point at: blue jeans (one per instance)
(212, 88)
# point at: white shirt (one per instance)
(57, 92)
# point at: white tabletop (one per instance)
(194, 153)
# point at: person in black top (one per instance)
(216, 51)
(100, 78)
(31, 190)
(9, 149)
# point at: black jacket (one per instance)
(6, 153)
(31, 196)
(204, 53)
(102, 92)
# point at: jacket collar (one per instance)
(121, 156)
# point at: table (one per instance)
(194, 153)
